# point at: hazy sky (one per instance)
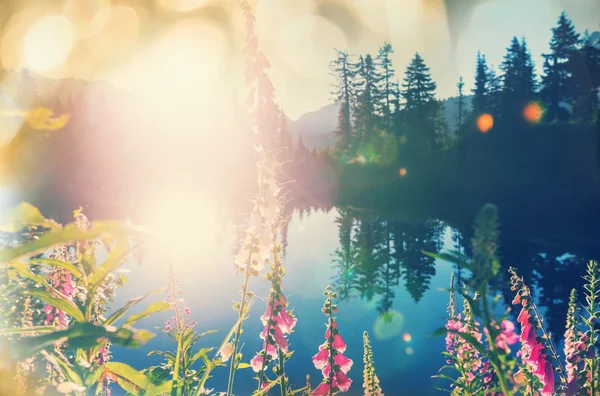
(189, 51)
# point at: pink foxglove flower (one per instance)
(60, 279)
(330, 359)
(533, 352)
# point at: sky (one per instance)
(189, 51)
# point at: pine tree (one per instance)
(367, 93)
(518, 79)
(342, 69)
(461, 105)
(420, 106)
(494, 90)
(584, 65)
(419, 88)
(386, 86)
(556, 80)
(480, 92)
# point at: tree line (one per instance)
(378, 113)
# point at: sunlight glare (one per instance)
(117, 30)
(48, 43)
(180, 74)
(184, 222)
(181, 5)
(306, 42)
(83, 15)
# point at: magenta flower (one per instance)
(330, 359)
(507, 336)
(187, 311)
(533, 353)
(278, 323)
(61, 280)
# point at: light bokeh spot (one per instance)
(388, 325)
(533, 112)
(48, 43)
(485, 122)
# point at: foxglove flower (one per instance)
(371, 382)
(330, 359)
(533, 353)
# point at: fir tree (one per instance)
(556, 80)
(341, 68)
(367, 93)
(494, 89)
(386, 86)
(584, 65)
(480, 92)
(460, 117)
(420, 107)
(419, 88)
(518, 79)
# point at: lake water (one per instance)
(400, 306)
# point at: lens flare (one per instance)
(409, 351)
(533, 112)
(485, 122)
(388, 325)
(402, 172)
(406, 337)
(48, 43)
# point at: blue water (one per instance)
(406, 356)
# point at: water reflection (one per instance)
(378, 254)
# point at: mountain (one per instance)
(316, 127)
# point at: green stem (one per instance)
(552, 349)
(262, 369)
(282, 373)
(493, 358)
(238, 332)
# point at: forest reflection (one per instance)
(377, 255)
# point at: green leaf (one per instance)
(128, 378)
(115, 258)
(22, 216)
(58, 263)
(59, 302)
(68, 234)
(122, 311)
(66, 367)
(200, 354)
(83, 335)
(156, 307)
(165, 387)
(27, 330)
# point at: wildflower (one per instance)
(187, 311)
(371, 382)
(330, 359)
(507, 336)
(61, 281)
(533, 353)
(226, 352)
